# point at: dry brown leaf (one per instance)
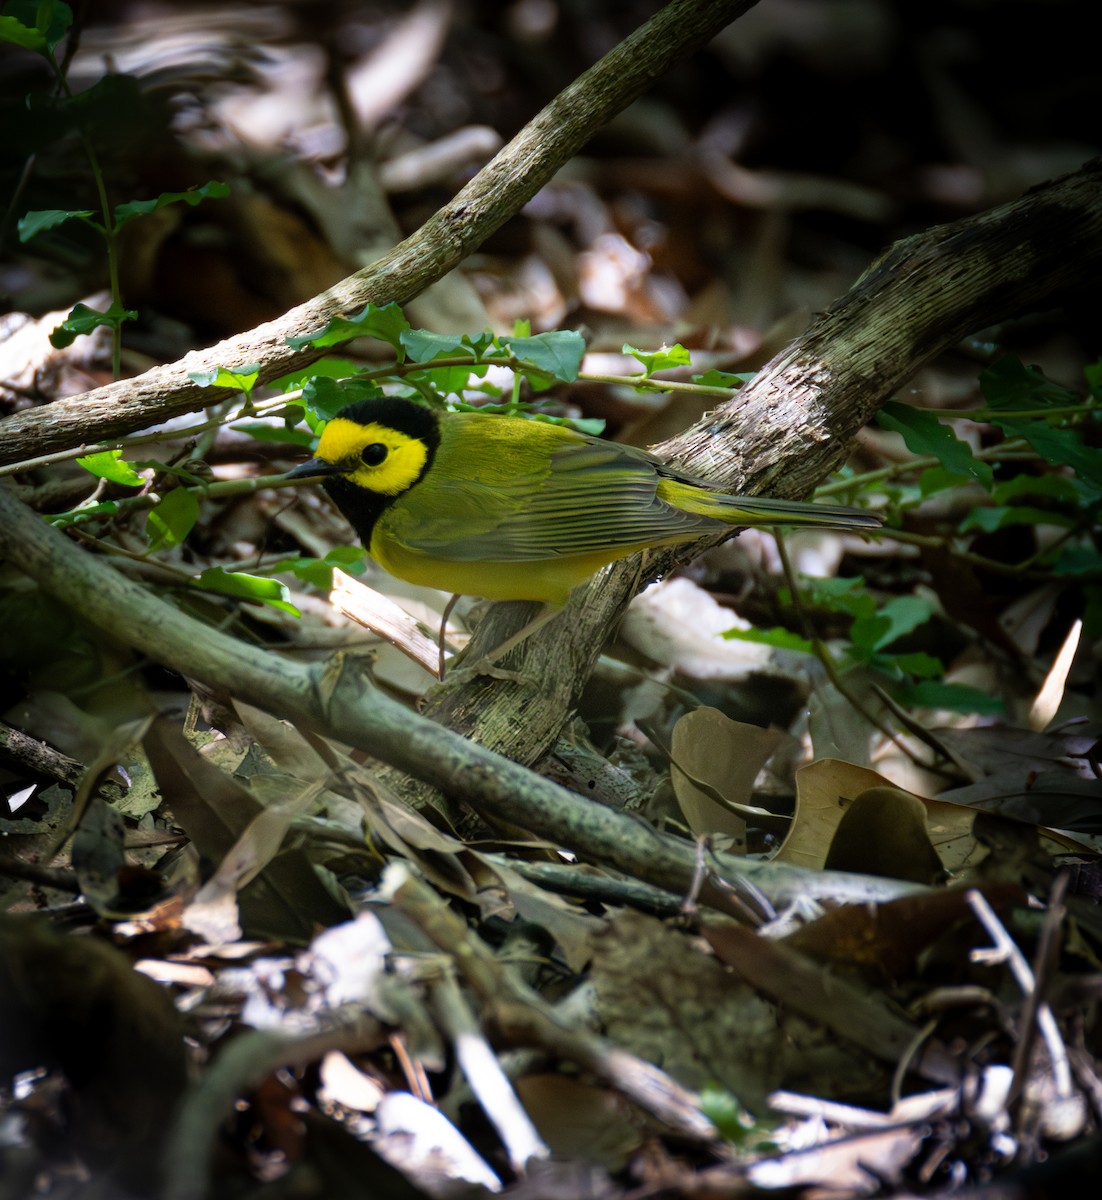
(287, 899)
(726, 756)
(883, 832)
(884, 940)
(825, 789)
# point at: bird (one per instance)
(509, 508)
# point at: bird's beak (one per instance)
(314, 469)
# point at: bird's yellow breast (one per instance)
(548, 580)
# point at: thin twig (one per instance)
(1006, 950)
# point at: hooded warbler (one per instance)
(510, 509)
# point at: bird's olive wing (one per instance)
(515, 493)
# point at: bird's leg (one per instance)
(453, 600)
(485, 664)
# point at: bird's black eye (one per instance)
(374, 454)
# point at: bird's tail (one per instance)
(764, 510)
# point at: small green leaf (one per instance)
(987, 520)
(920, 664)
(778, 636)
(845, 595)
(239, 379)
(114, 110)
(898, 616)
(33, 223)
(724, 379)
(319, 571)
(213, 190)
(84, 320)
(247, 587)
(279, 434)
(15, 33)
(957, 697)
(170, 521)
(423, 346)
(386, 322)
(36, 25)
(110, 465)
(723, 1109)
(558, 353)
(1078, 559)
(869, 633)
(1009, 384)
(331, 368)
(1059, 487)
(593, 426)
(923, 433)
(91, 512)
(435, 382)
(938, 479)
(1060, 448)
(328, 396)
(660, 360)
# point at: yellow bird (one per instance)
(511, 509)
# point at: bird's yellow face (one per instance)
(374, 456)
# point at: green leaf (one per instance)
(723, 1109)
(247, 587)
(987, 520)
(841, 595)
(423, 346)
(328, 396)
(331, 368)
(1078, 559)
(724, 379)
(1059, 487)
(386, 322)
(778, 636)
(558, 353)
(239, 379)
(436, 382)
(594, 426)
(213, 190)
(957, 697)
(79, 516)
(660, 360)
(1008, 384)
(170, 521)
(278, 434)
(923, 433)
(114, 111)
(83, 320)
(898, 616)
(319, 571)
(17, 34)
(919, 663)
(36, 25)
(938, 479)
(110, 465)
(1059, 448)
(33, 223)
